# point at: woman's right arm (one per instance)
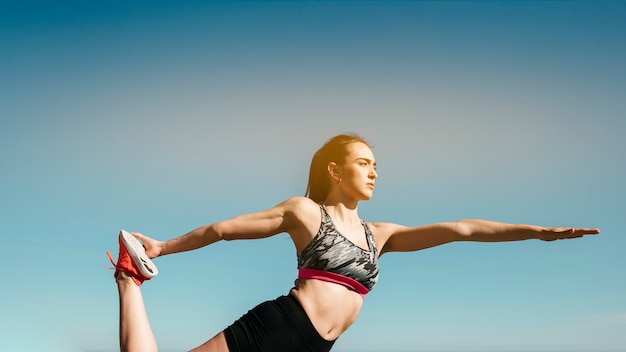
(278, 219)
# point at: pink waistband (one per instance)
(335, 278)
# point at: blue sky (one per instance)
(159, 117)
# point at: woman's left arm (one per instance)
(397, 238)
(491, 231)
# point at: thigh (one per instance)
(215, 344)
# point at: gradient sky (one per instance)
(159, 117)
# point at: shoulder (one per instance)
(304, 217)
(385, 229)
(300, 208)
(299, 204)
(382, 231)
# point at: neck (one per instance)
(342, 210)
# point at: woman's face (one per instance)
(358, 173)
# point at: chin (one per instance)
(367, 196)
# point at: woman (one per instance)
(337, 257)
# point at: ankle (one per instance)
(123, 278)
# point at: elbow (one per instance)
(462, 230)
(219, 231)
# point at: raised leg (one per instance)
(135, 332)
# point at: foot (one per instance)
(132, 259)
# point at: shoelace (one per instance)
(112, 262)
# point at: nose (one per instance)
(373, 174)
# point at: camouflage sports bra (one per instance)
(332, 257)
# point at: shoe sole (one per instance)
(138, 254)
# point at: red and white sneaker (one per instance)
(132, 259)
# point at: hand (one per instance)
(561, 233)
(152, 246)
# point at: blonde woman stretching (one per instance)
(337, 257)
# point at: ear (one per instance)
(334, 172)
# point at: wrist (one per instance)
(161, 248)
(535, 232)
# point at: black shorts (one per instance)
(280, 325)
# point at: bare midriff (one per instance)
(331, 307)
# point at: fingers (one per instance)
(574, 233)
(147, 241)
(562, 233)
(580, 232)
(592, 231)
(138, 235)
(151, 245)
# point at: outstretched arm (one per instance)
(491, 231)
(250, 226)
(404, 239)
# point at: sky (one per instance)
(159, 117)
